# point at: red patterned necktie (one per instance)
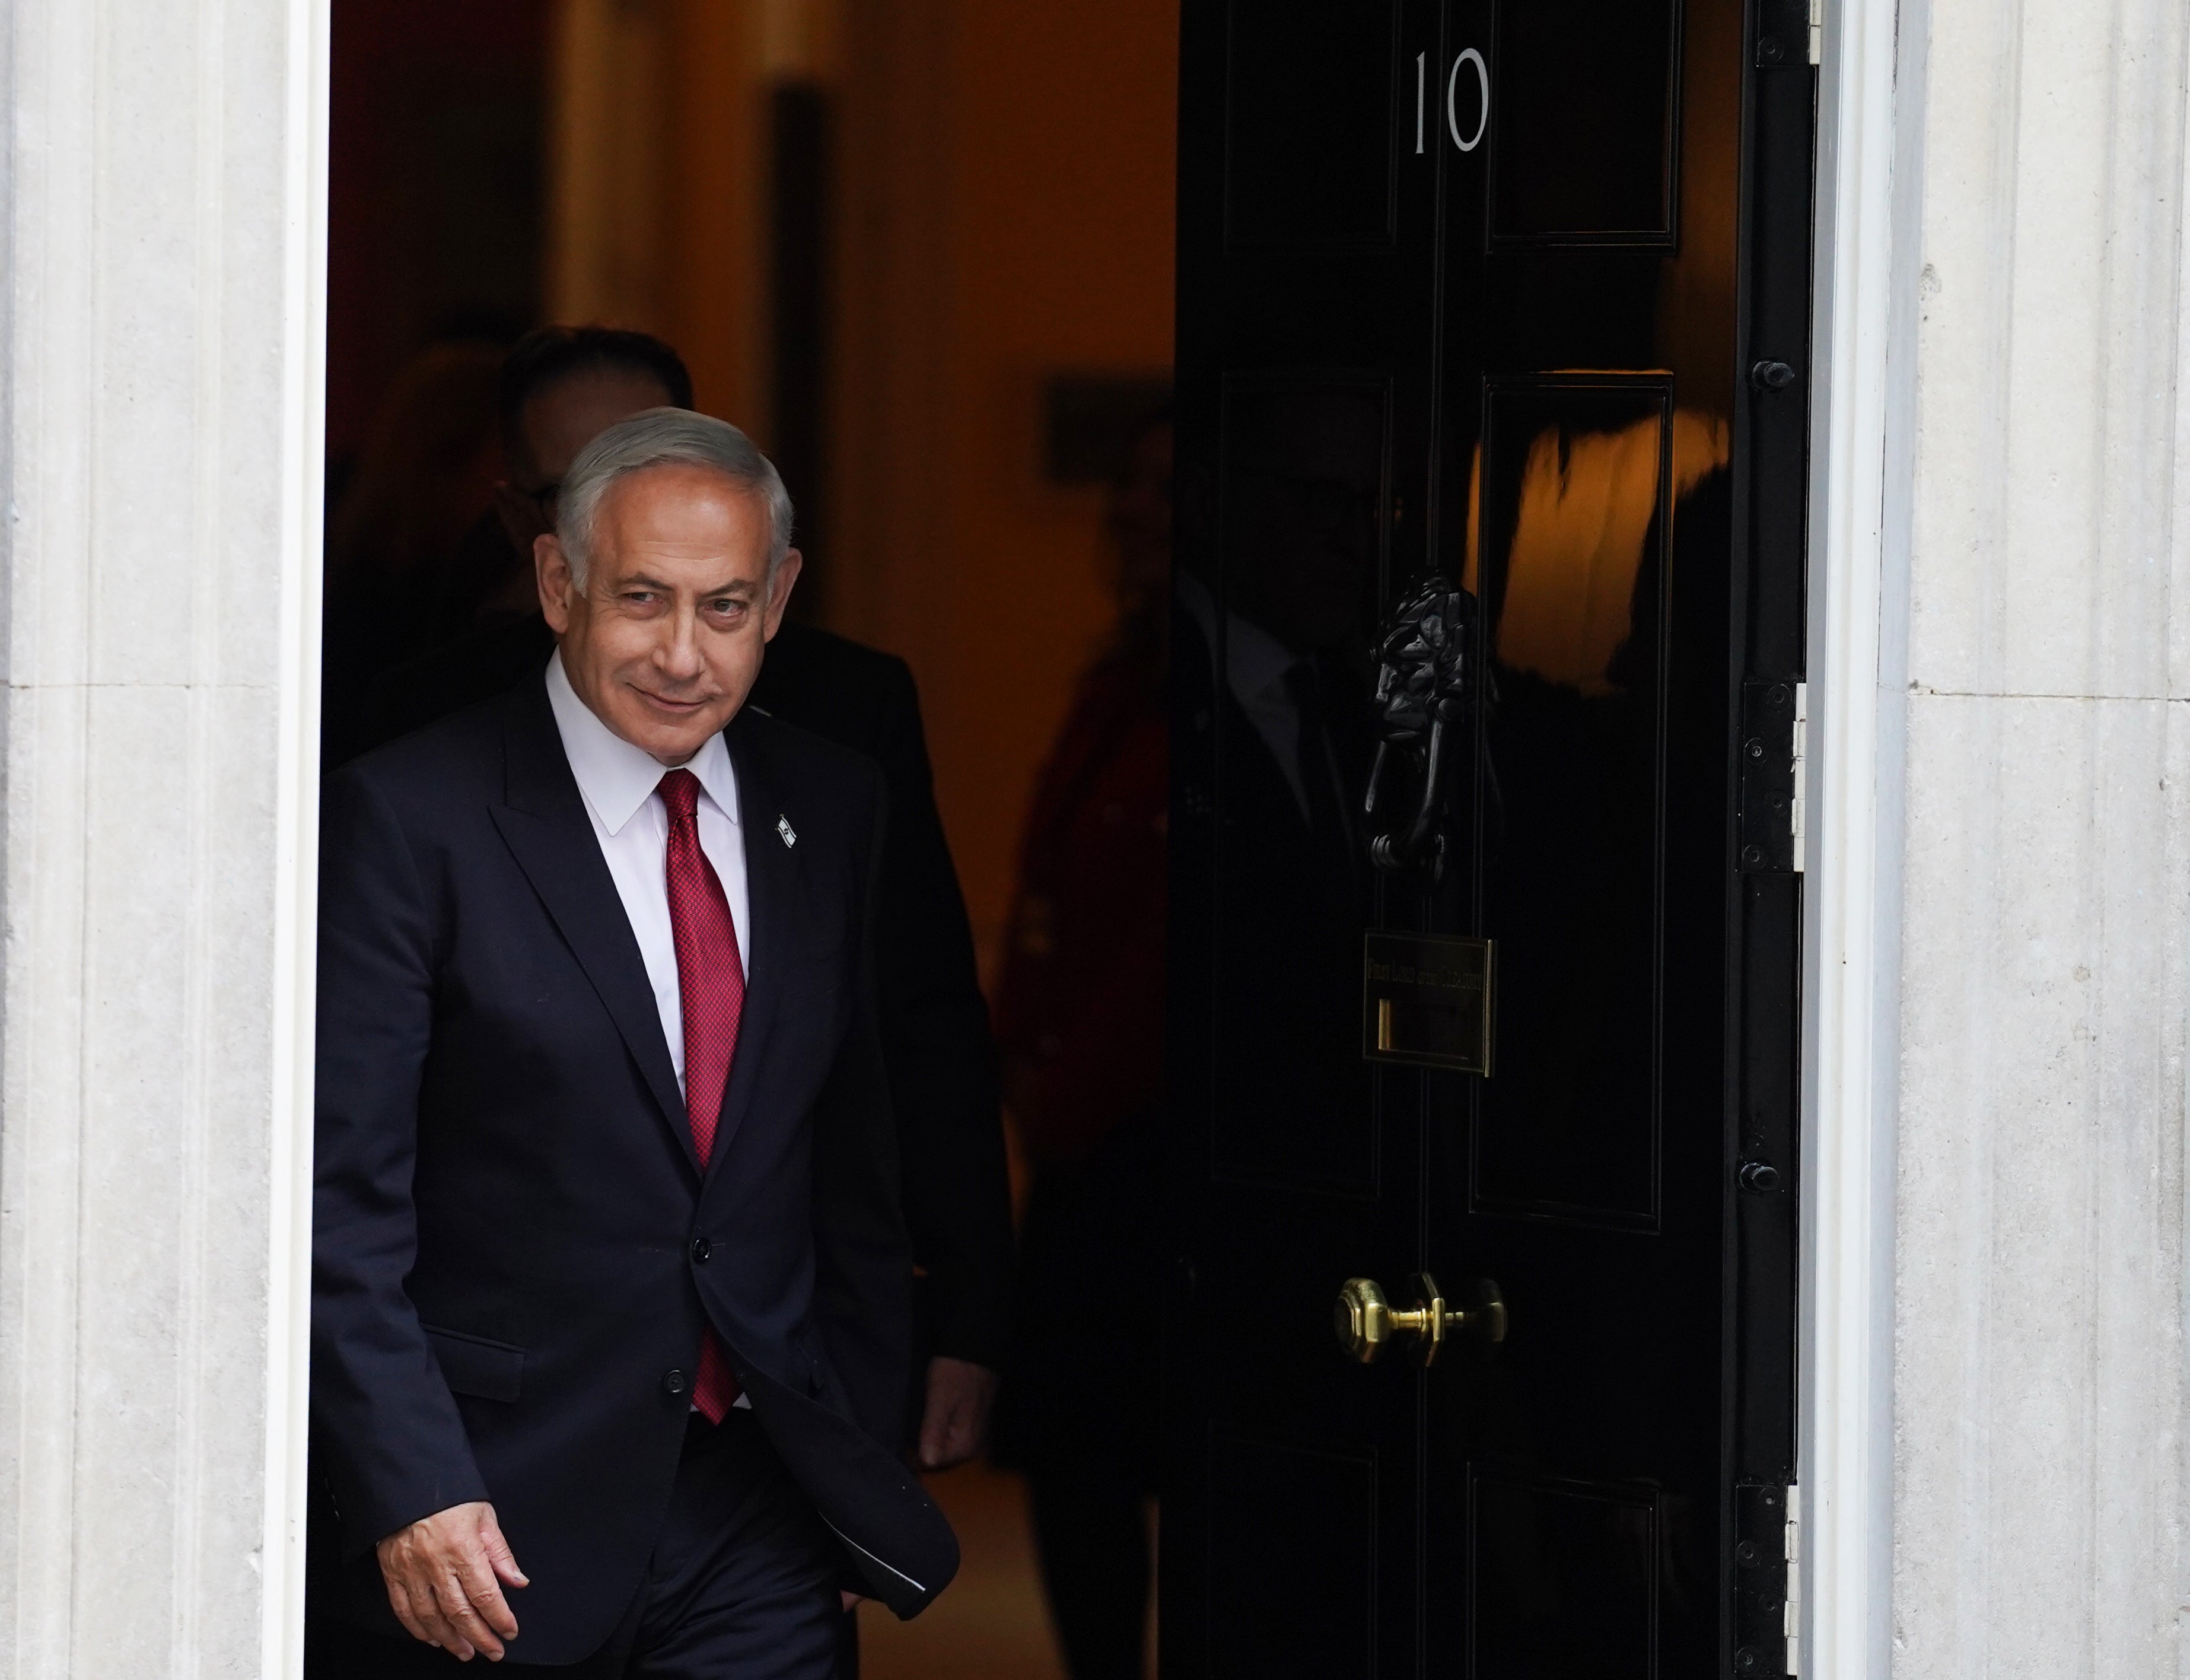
(711, 982)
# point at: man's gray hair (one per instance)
(666, 437)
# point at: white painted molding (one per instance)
(1851, 892)
(163, 282)
(303, 362)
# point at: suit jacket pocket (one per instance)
(472, 1365)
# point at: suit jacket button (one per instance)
(674, 1382)
(701, 1249)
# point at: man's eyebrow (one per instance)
(744, 587)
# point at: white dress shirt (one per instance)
(618, 783)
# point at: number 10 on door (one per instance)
(1469, 60)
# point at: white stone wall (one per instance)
(163, 226)
(2033, 664)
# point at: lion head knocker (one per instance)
(1422, 687)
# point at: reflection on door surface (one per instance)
(1470, 292)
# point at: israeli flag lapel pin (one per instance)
(790, 834)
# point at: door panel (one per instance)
(1566, 1577)
(1504, 349)
(1585, 124)
(1297, 1600)
(1594, 1187)
(1309, 135)
(1575, 492)
(1291, 1493)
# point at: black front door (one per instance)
(1492, 359)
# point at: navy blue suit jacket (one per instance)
(514, 1250)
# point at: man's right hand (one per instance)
(445, 1576)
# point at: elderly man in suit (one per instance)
(611, 1313)
(560, 386)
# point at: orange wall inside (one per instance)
(1010, 199)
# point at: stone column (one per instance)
(2036, 655)
(164, 230)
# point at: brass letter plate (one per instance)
(1427, 1000)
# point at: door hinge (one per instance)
(1817, 32)
(1791, 1615)
(1774, 728)
(1798, 800)
(1784, 27)
(1765, 1548)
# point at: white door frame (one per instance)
(1859, 493)
(303, 472)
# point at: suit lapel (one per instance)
(775, 902)
(547, 831)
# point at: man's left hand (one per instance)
(955, 1425)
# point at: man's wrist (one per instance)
(362, 1522)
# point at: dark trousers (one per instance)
(1092, 1534)
(742, 1585)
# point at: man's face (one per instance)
(666, 639)
(557, 421)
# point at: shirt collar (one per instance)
(617, 778)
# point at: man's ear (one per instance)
(551, 570)
(778, 593)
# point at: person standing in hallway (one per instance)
(408, 514)
(560, 386)
(611, 1295)
(1080, 1015)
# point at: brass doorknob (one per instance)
(1365, 1321)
